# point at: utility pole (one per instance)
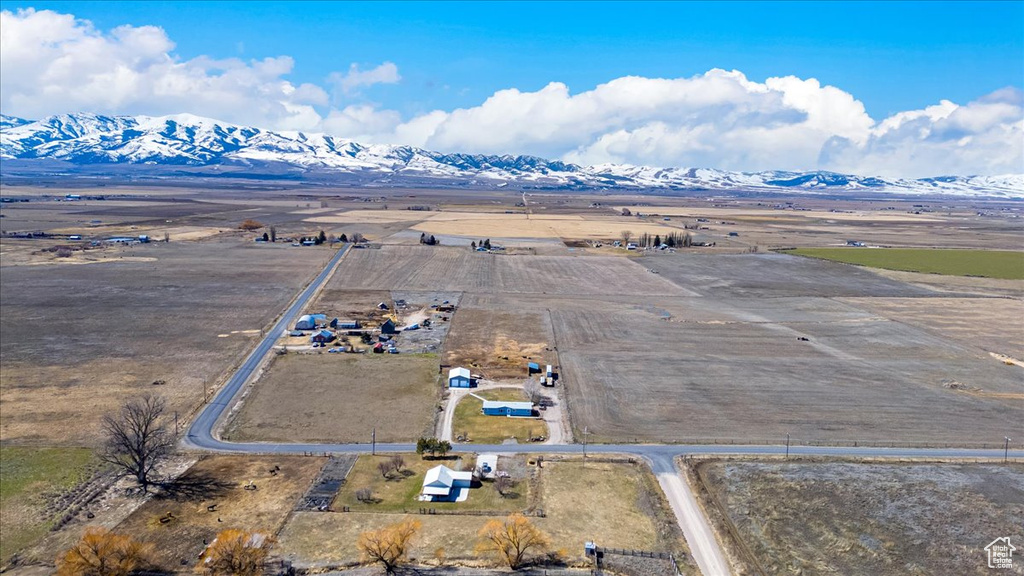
(1006, 448)
(787, 445)
(373, 442)
(585, 432)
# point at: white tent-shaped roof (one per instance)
(440, 479)
(454, 372)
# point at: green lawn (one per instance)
(984, 263)
(27, 477)
(469, 419)
(399, 492)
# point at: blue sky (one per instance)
(887, 87)
(893, 56)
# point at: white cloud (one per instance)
(386, 73)
(983, 137)
(53, 63)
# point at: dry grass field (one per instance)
(78, 340)
(849, 518)
(498, 343)
(457, 269)
(730, 365)
(615, 504)
(340, 398)
(564, 226)
(993, 324)
(219, 481)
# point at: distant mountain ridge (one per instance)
(184, 140)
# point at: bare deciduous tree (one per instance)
(364, 495)
(384, 468)
(136, 438)
(503, 484)
(626, 236)
(397, 463)
(533, 391)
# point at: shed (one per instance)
(459, 378)
(378, 348)
(305, 322)
(532, 367)
(413, 327)
(503, 408)
(388, 327)
(322, 336)
(348, 324)
(549, 373)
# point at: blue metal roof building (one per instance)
(503, 408)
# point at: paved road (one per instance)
(200, 433)
(699, 536)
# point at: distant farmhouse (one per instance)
(321, 337)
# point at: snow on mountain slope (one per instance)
(187, 140)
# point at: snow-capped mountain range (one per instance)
(187, 141)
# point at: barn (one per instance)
(388, 327)
(305, 322)
(459, 378)
(503, 408)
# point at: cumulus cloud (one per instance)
(53, 63)
(985, 137)
(386, 73)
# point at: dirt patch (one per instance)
(324, 397)
(497, 344)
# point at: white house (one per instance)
(442, 484)
(459, 378)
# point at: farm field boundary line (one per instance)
(211, 415)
